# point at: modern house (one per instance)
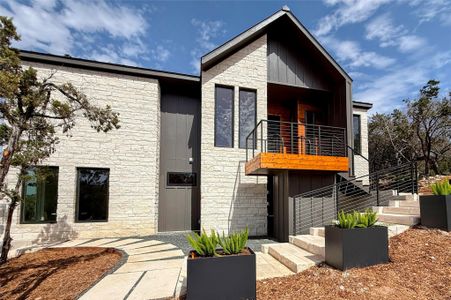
(270, 116)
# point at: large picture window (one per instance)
(92, 194)
(356, 126)
(248, 102)
(40, 194)
(224, 116)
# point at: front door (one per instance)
(179, 198)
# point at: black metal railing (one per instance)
(320, 207)
(355, 153)
(295, 138)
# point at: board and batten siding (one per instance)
(288, 64)
(230, 200)
(131, 153)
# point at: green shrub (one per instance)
(234, 243)
(441, 188)
(356, 219)
(203, 244)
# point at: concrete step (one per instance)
(403, 203)
(317, 231)
(311, 243)
(269, 267)
(404, 197)
(399, 219)
(293, 257)
(397, 210)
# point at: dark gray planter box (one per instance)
(357, 247)
(226, 277)
(435, 211)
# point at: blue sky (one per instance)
(390, 48)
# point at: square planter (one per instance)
(435, 211)
(225, 277)
(356, 247)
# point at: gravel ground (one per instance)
(57, 273)
(420, 268)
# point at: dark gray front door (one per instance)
(179, 198)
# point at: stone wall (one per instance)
(361, 165)
(131, 153)
(230, 200)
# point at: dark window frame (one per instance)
(181, 185)
(233, 114)
(77, 193)
(22, 211)
(239, 113)
(358, 147)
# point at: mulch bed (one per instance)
(420, 268)
(58, 273)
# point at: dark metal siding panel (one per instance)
(289, 64)
(179, 206)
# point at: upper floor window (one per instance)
(356, 127)
(40, 194)
(248, 102)
(92, 194)
(224, 116)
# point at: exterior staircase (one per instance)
(307, 250)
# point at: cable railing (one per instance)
(320, 207)
(295, 138)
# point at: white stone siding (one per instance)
(361, 165)
(230, 200)
(131, 153)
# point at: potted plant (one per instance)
(435, 210)
(221, 267)
(355, 241)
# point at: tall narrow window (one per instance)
(224, 116)
(40, 194)
(248, 102)
(92, 194)
(356, 127)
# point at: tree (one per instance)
(422, 132)
(32, 111)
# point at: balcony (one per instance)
(276, 145)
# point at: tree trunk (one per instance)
(15, 199)
(7, 157)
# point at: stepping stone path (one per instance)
(154, 269)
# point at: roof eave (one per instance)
(363, 105)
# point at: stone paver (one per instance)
(119, 244)
(155, 255)
(97, 243)
(73, 243)
(156, 284)
(112, 287)
(141, 245)
(150, 265)
(269, 267)
(149, 249)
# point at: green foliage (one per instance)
(356, 219)
(234, 243)
(204, 244)
(441, 188)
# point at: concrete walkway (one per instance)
(155, 269)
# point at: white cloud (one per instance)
(383, 29)
(348, 12)
(100, 30)
(429, 10)
(207, 31)
(350, 54)
(387, 91)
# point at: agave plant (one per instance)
(234, 243)
(441, 188)
(204, 244)
(357, 219)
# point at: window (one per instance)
(248, 102)
(357, 133)
(224, 116)
(40, 194)
(92, 194)
(181, 179)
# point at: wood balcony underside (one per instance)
(263, 163)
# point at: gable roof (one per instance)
(244, 38)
